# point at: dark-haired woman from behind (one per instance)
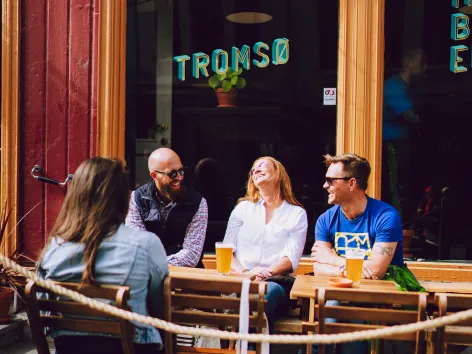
(89, 244)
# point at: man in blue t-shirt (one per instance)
(399, 124)
(355, 221)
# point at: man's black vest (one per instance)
(171, 230)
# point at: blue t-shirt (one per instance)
(380, 222)
(396, 101)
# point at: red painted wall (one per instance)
(57, 106)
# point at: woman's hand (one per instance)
(323, 254)
(261, 273)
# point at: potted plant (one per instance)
(226, 86)
(10, 282)
(6, 285)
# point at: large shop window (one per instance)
(285, 107)
(427, 109)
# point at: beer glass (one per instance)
(354, 263)
(224, 254)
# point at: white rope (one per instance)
(279, 338)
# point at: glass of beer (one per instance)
(354, 263)
(224, 254)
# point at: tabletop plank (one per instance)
(305, 286)
(444, 287)
(206, 273)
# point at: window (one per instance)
(285, 110)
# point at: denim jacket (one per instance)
(129, 257)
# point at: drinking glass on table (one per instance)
(354, 263)
(224, 254)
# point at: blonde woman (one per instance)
(268, 230)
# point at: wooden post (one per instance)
(10, 86)
(111, 79)
(360, 83)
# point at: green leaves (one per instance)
(226, 85)
(228, 80)
(241, 83)
(214, 81)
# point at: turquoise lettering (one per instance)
(181, 59)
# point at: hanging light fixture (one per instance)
(249, 17)
(249, 11)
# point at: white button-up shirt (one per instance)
(258, 244)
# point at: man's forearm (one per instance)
(183, 258)
(326, 269)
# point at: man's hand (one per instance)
(261, 273)
(322, 254)
(368, 273)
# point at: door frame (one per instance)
(10, 93)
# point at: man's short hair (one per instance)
(353, 166)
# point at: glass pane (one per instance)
(287, 51)
(427, 105)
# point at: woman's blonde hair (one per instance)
(282, 179)
(95, 206)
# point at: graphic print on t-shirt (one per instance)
(344, 240)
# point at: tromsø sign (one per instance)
(460, 31)
(220, 59)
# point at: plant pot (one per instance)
(226, 99)
(6, 296)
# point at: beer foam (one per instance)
(355, 253)
(224, 245)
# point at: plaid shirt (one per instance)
(192, 247)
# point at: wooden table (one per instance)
(305, 286)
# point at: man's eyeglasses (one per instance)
(173, 174)
(330, 180)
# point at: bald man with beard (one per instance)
(171, 210)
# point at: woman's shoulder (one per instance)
(295, 209)
(245, 204)
(133, 237)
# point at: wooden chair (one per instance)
(379, 309)
(56, 314)
(460, 333)
(183, 292)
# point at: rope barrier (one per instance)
(278, 338)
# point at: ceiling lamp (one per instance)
(466, 10)
(249, 17)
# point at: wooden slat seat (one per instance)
(290, 323)
(205, 294)
(459, 333)
(59, 313)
